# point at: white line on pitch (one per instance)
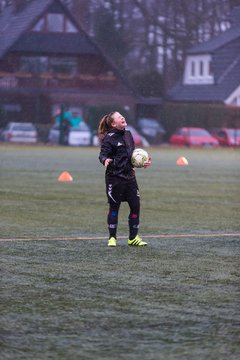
(156, 236)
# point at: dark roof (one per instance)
(76, 44)
(218, 92)
(216, 42)
(13, 25)
(225, 51)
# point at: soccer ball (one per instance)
(139, 157)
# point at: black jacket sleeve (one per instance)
(106, 150)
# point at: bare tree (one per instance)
(158, 33)
(178, 24)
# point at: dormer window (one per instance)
(201, 68)
(192, 68)
(55, 22)
(70, 28)
(210, 70)
(198, 70)
(40, 25)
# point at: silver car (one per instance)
(151, 129)
(75, 136)
(19, 132)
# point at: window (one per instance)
(193, 68)
(201, 68)
(198, 70)
(55, 22)
(180, 132)
(41, 64)
(221, 134)
(70, 28)
(210, 70)
(34, 64)
(66, 65)
(40, 25)
(52, 22)
(196, 132)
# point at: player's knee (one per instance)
(134, 215)
(113, 213)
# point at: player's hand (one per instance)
(147, 163)
(107, 162)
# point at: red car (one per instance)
(227, 136)
(191, 136)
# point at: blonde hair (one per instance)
(105, 125)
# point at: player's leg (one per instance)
(133, 197)
(113, 190)
(134, 215)
(112, 221)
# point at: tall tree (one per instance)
(109, 32)
(179, 24)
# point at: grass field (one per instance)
(66, 298)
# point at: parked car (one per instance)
(19, 132)
(139, 140)
(76, 136)
(227, 136)
(190, 136)
(151, 129)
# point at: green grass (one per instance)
(203, 196)
(177, 298)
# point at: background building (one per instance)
(47, 59)
(211, 79)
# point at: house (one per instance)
(47, 59)
(212, 69)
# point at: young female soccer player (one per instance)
(117, 146)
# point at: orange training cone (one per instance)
(65, 177)
(182, 161)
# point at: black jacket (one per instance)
(118, 145)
